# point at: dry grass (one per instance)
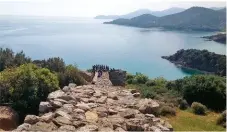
(187, 121)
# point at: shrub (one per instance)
(70, 75)
(24, 87)
(210, 90)
(198, 108)
(167, 110)
(54, 64)
(222, 119)
(183, 105)
(140, 78)
(150, 83)
(9, 59)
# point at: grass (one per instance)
(187, 121)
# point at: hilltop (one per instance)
(195, 18)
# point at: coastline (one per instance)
(182, 66)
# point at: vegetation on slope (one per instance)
(25, 86)
(24, 83)
(220, 38)
(200, 60)
(195, 18)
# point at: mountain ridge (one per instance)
(194, 18)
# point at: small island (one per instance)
(202, 60)
(220, 38)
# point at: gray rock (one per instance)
(148, 106)
(72, 85)
(79, 111)
(89, 128)
(154, 129)
(118, 77)
(129, 113)
(112, 112)
(47, 117)
(119, 129)
(56, 104)
(31, 119)
(44, 107)
(60, 121)
(66, 89)
(23, 127)
(135, 125)
(67, 128)
(64, 114)
(102, 111)
(83, 106)
(68, 107)
(61, 100)
(112, 96)
(42, 126)
(102, 100)
(78, 124)
(55, 94)
(136, 94)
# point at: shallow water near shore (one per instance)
(86, 42)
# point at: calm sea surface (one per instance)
(86, 42)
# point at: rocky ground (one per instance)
(98, 107)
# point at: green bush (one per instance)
(210, 90)
(54, 64)
(167, 110)
(198, 108)
(150, 83)
(70, 75)
(222, 119)
(183, 105)
(9, 59)
(140, 78)
(24, 87)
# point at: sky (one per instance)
(91, 8)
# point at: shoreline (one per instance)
(182, 66)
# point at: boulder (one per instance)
(89, 128)
(78, 124)
(44, 107)
(60, 121)
(68, 107)
(9, 118)
(113, 96)
(66, 89)
(83, 106)
(119, 129)
(43, 126)
(117, 121)
(148, 106)
(61, 100)
(55, 94)
(136, 94)
(23, 127)
(91, 116)
(129, 113)
(47, 117)
(102, 100)
(112, 112)
(64, 114)
(56, 104)
(86, 75)
(135, 124)
(66, 128)
(79, 111)
(72, 85)
(102, 111)
(117, 77)
(31, 119)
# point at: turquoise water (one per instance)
(87, 41)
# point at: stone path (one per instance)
(100, 107)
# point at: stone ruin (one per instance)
(95, 108)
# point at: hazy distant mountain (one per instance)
(141, 12)
(169, 11)
(217, 8)
(195, 18)
(222, 10)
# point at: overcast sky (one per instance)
(90, 8)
